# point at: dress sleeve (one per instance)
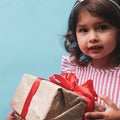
(67, 65)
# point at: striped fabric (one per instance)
(105, 82)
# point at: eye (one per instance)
(83, 30)
(102, 27)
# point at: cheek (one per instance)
(82, 42)
(82, 45)
(111, 45)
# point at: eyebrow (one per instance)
(80, 26)
(97, 23)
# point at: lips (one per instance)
(95, 47)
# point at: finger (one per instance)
(11, 116)
(11, 113)
(108, 101)
(98, 115)
(99, 107)
(18, 117)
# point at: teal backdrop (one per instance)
(30, 42)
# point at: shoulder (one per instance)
(68, 64)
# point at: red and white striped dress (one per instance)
(106, 82)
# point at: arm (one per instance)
(112, 113)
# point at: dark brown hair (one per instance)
(99, 8)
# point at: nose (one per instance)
(93, 37)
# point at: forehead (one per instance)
(85, 16)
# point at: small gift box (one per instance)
(38, 99)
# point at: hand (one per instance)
(99, 108)
(13, 116)
(112, 113)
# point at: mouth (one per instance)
(95, 47)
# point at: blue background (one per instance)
(30, 42)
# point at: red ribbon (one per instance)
(30, 96)
(70, 82)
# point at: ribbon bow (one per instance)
(70, 82)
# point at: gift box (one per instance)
(39, 99)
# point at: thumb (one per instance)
(98, 115)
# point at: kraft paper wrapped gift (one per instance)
(48, 102)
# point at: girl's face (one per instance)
(96, 38)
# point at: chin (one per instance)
(97, 57)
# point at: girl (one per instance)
(93, 41)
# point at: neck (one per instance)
(105, 63)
